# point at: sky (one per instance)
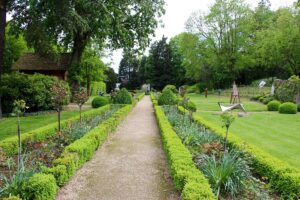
(177, 12)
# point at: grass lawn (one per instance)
(8, 126)
(277, 134)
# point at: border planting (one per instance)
(10, 145)
(282, 177)
(187, 178)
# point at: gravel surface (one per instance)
(130, 165)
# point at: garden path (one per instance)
(130, 165)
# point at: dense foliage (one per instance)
(34, 89)
(167, 98)
(273, 105)
(100, 101)
(123, 97)
(288, 108)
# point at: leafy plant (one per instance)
(80, 97)
(167, 98)
(227, 120)
(229, 175)
(60, 97)
(273, 105)
(19, 108)
(288, 108)
(99, 102)
(170, 87)
(15, 182)
(123, 97)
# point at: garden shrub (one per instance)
(123, 97)
(273, 105)
(268, 99)
(192, 89)
(167, 98)
(170, 87)
(187, 178)
(100, 101)
(41, 187)
(287, 90)
(35, 90)
(298, 107)
(98, 87)
(288, 108)
(191, 106)
(59, 172)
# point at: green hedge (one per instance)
(187, 178)
(273, 105)
(82, 150)
(153, 99)
(41, 187)
(288, 108)
(10, 145)
(100, 101)
(282, 177)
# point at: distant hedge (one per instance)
(97, 87)
(34, 89)
(287, 90)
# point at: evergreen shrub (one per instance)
(288, 108)
(273, 105)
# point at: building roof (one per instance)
(32, 61)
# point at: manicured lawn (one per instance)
(277, 134)
(8, 126)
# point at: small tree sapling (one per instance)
(80, 97)
(19, 108)
(227, 120)
(60, 96)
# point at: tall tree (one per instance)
(165, 67)
(111, 79)
(121, 23)
(3, 8)
(225, 30)
(128, 71)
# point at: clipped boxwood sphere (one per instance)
(170, 87)
(123, 97)
(288, 108)
(167, 98)
(99, 102)
(273, 105)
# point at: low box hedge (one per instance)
(187, 178)
(273, 105)
(10, 145)
(82, 150)
(288, 108)
(282, 177)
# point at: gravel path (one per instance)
(130, 165)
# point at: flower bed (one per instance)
(187, 179)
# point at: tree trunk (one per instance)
(2, 42)
(80, 113)
(58, 118)
(80, 42)
(225, 142)
(19, 143)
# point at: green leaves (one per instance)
(227, 119)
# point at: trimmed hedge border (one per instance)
(138, 98)
(282, 177)
(73, 157)
(187, 178)
(10, 145)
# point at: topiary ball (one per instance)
(170, 87)
(298, 106)
(273, 105)
(167, 98)
(99, 102)
(123, 97)
(288, 108)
